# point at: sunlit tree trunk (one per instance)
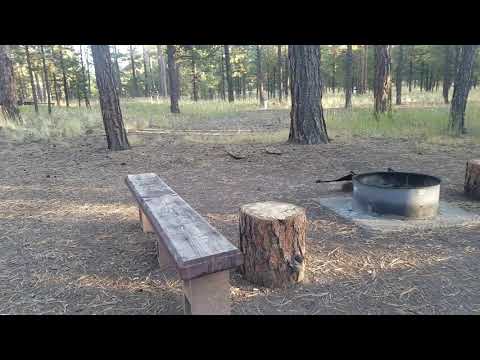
(173, 79)
(382, 86)
(307, 122)
(162, 71)
(136, 91)
(32, 82)
(47, 82)
(348, 77)
(8, 98)
(279, 65)
(461, 89)
(399, 75)
(64, 77)
(109, 101)
(261, 95)
(228, 68)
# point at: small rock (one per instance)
(48, 176)
(123, 163)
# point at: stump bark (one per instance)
(272, 239)
(472, 179)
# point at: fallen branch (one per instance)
(270, 150)
(236, 156)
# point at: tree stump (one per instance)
(472, 179)
(272, 239)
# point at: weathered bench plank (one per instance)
(196, 247)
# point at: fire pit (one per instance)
(407, 195)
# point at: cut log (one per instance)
(472, 179)
(272, 240)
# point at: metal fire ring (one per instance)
(408, 195)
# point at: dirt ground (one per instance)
(70, 240)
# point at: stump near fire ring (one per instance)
(272, 239)
(472, 179)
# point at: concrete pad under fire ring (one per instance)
(449, 216)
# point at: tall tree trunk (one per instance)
(399, 75)
(8, 96)
(461, 89)
(109, 101)
(307, 122)
(261, 95)
(279, 65)
(83, 80)
(222, 82)
(38, 87)
(447, 73)
(64, 77)
(334, 70)
(381, 88)
(55, 88)
(348, 77)
(89, 88)
(32, 82)
(410, 70)
(146, 73)
(47, 82)
(244, 86)
(118, 80)
(162, 71)
(173, 78)
(136, 91)
(23, 90)
(194, 74)
(228, 68)
(286, 74)
(365, 70)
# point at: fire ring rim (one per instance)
(357, 179)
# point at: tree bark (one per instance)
(447, 73)
(461, 89)
(83, 79)
(109, 101)
(228, 68)
(8, 96)
(146, 71)
(261, 95)
(194, 74)
(118, 80)
(286, 75)
(365, 70)
(399, 76)
(410, 70)
(173, 79)
(222, 82)
(162, 71)
(64, 77)
(32, 82)
(136, 91)
(55, 88)
(47, 82)
(280, 72)
(272, 239)
(348, 77)
(382, 86)
(307, 122)
(472, 179)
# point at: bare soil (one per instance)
(70, 240)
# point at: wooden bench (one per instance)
(201, 255)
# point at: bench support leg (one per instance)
(164, 259)
(207, 295)
(146, 226)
